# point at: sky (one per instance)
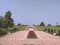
(32, 11)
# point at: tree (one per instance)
(1, 20)
(33, 24)
(42, 24)
(49, 24)
(19, 24)
(8, 21)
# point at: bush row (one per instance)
(52, 31)
(5, 31)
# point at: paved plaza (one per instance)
(20, 38)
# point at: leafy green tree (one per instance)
(49, 24)
(1, 20)
(42, 24)
(8, 21)
(19, 24)
(34, 25)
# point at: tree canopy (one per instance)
(1, 20)
(7, 21)
(42, 24)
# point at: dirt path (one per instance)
(19, 38)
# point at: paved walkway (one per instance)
(20, 38)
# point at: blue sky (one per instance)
(32, 11)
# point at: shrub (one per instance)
(48, 30)
(13, 30)
(58, 32)
(45, 30)
(3, 31)
(51, 31)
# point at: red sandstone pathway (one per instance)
(19, 38)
